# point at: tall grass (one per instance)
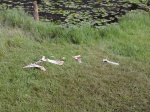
(123, 39)
(127, 38)
(47, 30)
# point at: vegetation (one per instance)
(70, 13)
(92, 86)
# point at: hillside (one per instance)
(90, 86)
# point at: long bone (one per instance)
(111, 62)
(43, 59)
(33, 65)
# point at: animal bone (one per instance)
(114, 63)
(43, 59)
(78, 58)
(35, 66)
(55, 62)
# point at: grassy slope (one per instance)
(92, 86)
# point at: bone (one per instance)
(35, 66)
(78, 58)
(43, 59)
(55, 62)
(111, 62)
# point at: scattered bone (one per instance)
(55, 62)
(43, 59)
(35, 66)
(114, 63)
(78, 58)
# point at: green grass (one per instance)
(92, 86)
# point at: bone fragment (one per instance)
(35, 66)
(78, 58)
(114, 63)
(43, 59)
(55, 62)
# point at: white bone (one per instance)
(55, 62)
(78, 58)
(114, 63)
(43, 59)
(35, 66)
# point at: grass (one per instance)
(92, 86)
